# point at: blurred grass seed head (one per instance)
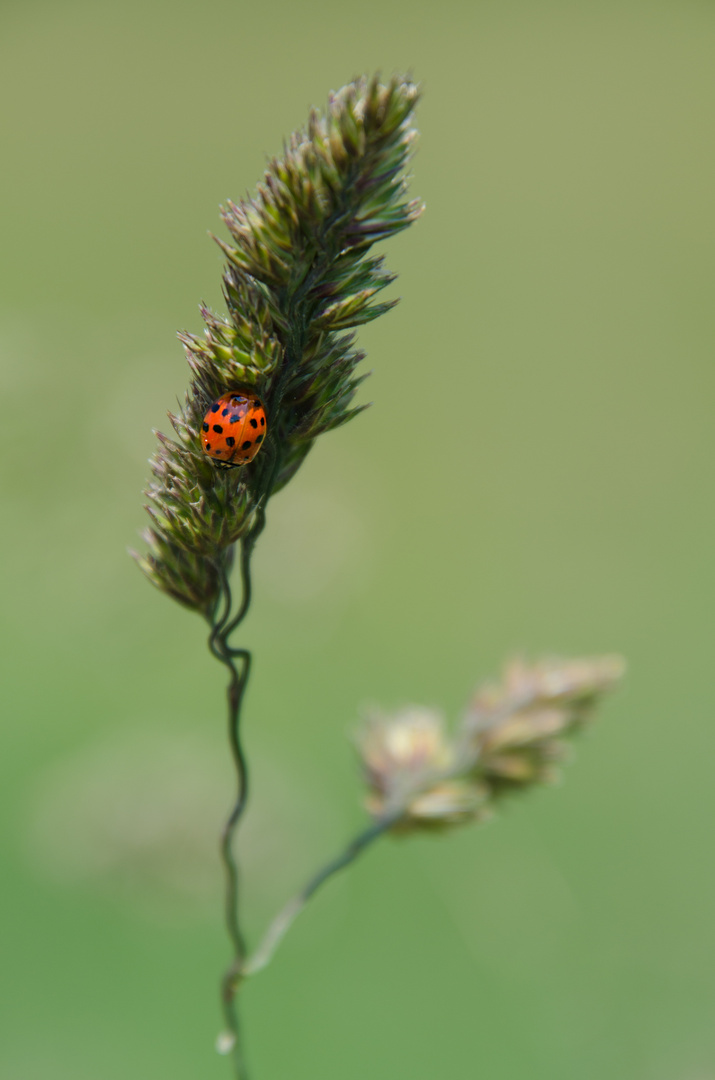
(510, 738)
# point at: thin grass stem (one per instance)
(286, 917)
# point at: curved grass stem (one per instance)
(238, 662)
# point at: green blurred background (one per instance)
(555, 342)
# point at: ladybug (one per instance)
(234, 428)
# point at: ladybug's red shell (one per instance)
(234, 428)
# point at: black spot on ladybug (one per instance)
(218, 429)
(206, 427)
(208, 447)
(259, 439)
(224, 412)
(216, 406)
(254, 423)
(247, 445)
(263, 421)
(230, 441)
